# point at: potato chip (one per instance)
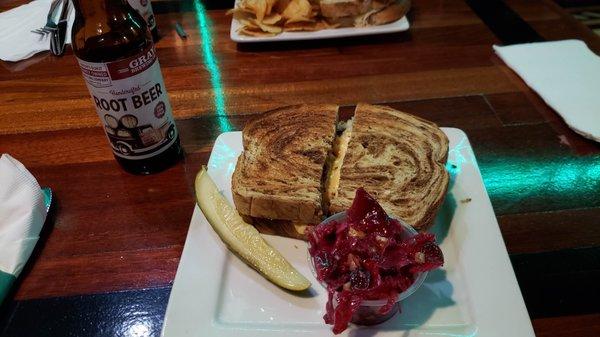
(309, 26)
(268, 28)
(298, 11)
(238, 12)
(252, 32)
(245, 10)
(251, 24)
(300, 19)
(241, 15)
(272, 19)
(260, 8)
(281, 5)
(270, 5)
(299, 27)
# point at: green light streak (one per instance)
(568, 181)
(535, 182)
(457, 158)
(208, 56)
(132, 20)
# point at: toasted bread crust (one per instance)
(279, 227)
(400, 160)
(390, 13)
(278, 176)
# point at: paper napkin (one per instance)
(17, 42)
(566, 74)
(22, 215)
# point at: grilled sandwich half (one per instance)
(277, 182)
(397, 157)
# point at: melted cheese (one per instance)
(300, 229)
(340, 147)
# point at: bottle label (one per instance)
(144, 7)
(132, 103)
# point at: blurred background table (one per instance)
(112, 244)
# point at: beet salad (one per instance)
(367, 256)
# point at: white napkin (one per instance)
(17, 42)
(566, 74)
(22, 214)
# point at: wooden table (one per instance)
(112, 243)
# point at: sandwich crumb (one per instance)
(467, 200)
(295, 246)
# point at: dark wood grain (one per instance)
(113, 231)
(568, 326)
(536, 232)
(504, 22)
(553, 23)
(567, 286)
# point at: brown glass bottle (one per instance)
(116, 54)
(144, 7)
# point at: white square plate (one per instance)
(474, 294)
(394, 27)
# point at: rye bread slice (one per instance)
(399, 159)
(278, 175)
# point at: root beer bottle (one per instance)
(144, 7)
(114, 48)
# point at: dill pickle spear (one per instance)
(243, 239)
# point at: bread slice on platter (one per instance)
(343, 8)
(279, 174)
(363, 13)
(392, 11)
(398, 158)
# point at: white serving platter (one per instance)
(394, 27)
(474, 294)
